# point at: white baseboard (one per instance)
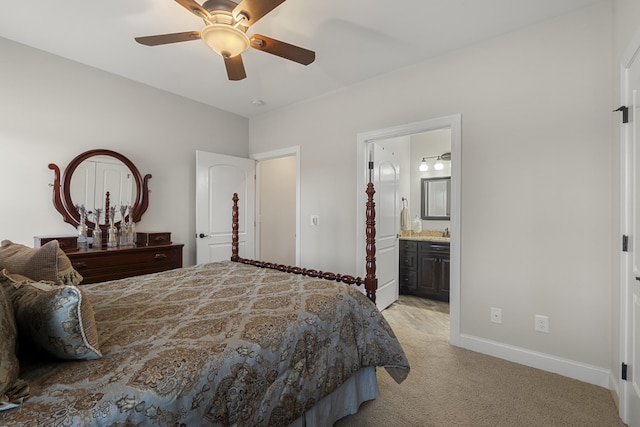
(565, 367)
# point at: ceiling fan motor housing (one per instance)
(222, 5)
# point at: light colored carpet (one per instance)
(450, 386)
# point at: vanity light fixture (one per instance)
(439, 165)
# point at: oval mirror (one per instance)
(99, 179)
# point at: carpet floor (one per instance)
(451, 386)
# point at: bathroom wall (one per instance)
(428, 144)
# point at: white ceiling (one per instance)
(353, 39)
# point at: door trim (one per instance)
(275, 154)
(453, 122)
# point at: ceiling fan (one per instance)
(225, 29)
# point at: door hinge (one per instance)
(625, 243)
(624, 371)
(625, 113)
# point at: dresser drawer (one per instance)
(66, 243)
(110, 264)
(153, 238)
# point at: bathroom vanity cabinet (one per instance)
(424, 268)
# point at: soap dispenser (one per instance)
(417, 225)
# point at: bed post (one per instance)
(370, 281)
(234, 229)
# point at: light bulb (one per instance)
(439, 165)
(423, 165)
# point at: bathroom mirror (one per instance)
(436, 203)
(87, 179)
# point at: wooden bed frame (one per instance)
(370, 281)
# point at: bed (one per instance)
(226, 343)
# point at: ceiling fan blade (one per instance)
(235, 68)
(282, 49)
(194, 8)
(168, 38)
(255, 9)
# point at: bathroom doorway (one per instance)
(400, 138)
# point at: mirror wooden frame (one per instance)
(62, 188)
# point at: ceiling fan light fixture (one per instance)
(227, 41)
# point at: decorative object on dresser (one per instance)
(424, 268)
(97, 231)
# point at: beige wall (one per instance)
(536, 232)
(52, 109)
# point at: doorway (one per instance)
(364, 141)
(278, 206)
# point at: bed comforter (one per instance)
(215, 344)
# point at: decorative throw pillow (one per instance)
(47, 262)
(9, 366)
(56, 319)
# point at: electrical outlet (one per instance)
(496, 315)
(315, 220)
(542, 324)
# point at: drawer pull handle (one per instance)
(160, 256)
(80, 265)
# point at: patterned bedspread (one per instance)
(215, 344)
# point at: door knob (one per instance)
(202, 235)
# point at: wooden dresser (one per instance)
(98, 265)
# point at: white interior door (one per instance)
(386, 179)
(218, 177)
(630, 393)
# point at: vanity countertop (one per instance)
(427, 238)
